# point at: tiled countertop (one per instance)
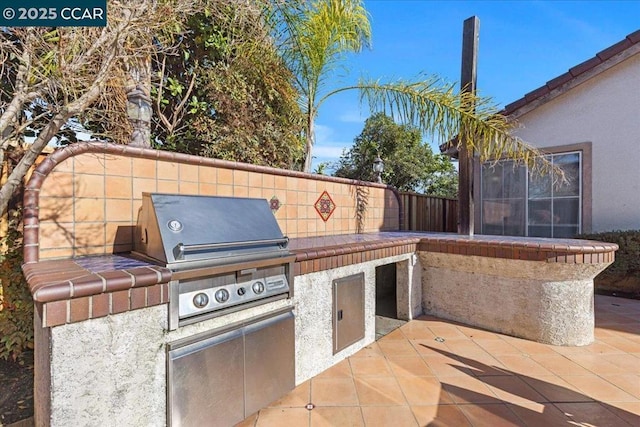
(63, 279)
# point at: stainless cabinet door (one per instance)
(206, 382)
(348, 311)
(269, 361)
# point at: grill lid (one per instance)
(175, 228)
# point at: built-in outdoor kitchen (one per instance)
(177, 290)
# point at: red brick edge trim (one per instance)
(559, 251)
(32, 190)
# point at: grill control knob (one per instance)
(258, 287)
(222, 295)
(200, 300)
(242, 291)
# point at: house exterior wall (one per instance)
(603, 111)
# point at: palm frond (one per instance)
(438, 109)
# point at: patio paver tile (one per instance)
(333, 392)
(466, 389)
(591, 414)
(337, 416)
(440, 415)
(559, 365)
(598, 388)
(536, 414)
(628, 411)
(385, 416)
(424, 391)
(513, 389)
(282, 417)
(403, 366)
(476, 378)
(370, 367)
(494, 415)
(555, 389)
(379, 391)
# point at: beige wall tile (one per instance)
(268, 181)
(58, 209)
(165, 186)
(225, 190)
(186, 187)
(255, 180)
(118, 187)
(225, 176)
(144, 168)
(89, 234)
(207, 174)
(119, 210)
(240, 191)
(188, 172)
(91, 250)
(56, 253)
(65, 166)
(89, 210)
(143, 185)
(240, 178)
(167, 170)
(56, 235)
(118, 165)
(207, 189)
(57, 184)
(89, 185)
(89, 163)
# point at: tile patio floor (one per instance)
(476, 378)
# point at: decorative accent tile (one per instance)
(325, 206)
(275, 204)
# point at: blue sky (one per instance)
(523, 44)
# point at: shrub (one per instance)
(624, 274)
(16, 311)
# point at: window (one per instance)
(517, 203)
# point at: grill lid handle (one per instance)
(181, 248)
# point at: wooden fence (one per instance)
(429, 213)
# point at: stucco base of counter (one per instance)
(551, 303)
(111, 371)
(314, 308)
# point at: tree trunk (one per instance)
(310, 139)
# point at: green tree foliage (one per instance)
(228, 94)
(56, 78)
(409, 165)
(314, 37)
(16, 304)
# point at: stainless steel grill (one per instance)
(226, 253)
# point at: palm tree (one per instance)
(315, 35)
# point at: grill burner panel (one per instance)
(226, 253)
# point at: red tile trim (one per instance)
(312, 259)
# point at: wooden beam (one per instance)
(470, 35)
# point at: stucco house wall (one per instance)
(592, 109)
(603, 111)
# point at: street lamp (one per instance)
(378, 168)
(139, 112)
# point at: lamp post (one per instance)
(139, 112)
(378, 168)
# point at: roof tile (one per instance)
(535, 94)
(634, 37)
(585, 66)
(559, 81)
(611, 51)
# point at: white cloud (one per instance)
(327, 152)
